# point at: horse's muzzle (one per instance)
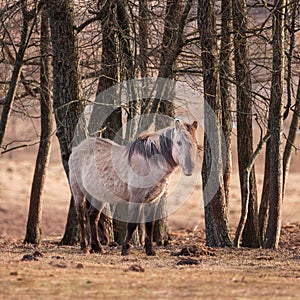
(188, 172)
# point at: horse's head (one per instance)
(184, 150)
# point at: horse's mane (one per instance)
(155, 143)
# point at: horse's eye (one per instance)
(179, 143)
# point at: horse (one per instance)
(138, 173)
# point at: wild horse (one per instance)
(102, 171)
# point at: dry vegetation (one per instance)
(60, 272)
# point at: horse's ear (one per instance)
(195, 124)
(177, 124)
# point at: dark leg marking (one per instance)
(149, 238)
(126, 245)
(94, 215)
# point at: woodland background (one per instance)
(243, 56)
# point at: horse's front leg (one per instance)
(149, 238)
(94, 215)
(150, 214)
(129, 233)
(133, 219)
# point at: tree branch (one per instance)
(246, 188)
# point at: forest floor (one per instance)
(184, 269)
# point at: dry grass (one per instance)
(64, 273)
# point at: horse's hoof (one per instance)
(97, 249)
(150, 252)
(125, 250)
(85, 251)
(84, 248)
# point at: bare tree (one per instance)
(244, 120)
(225, 73)
(176, 15)
(34, 223)
(296, 107)
(143, 37)
(291, 137)
(276, 129)
(67, 98)
(216, 220)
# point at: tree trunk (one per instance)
(216, 220)
(175, 21)
(34, 223)
(161, 231)
(276, 129)
(296, 108)
(172, 44)
(143, 37)
(291, 137)
(128, 68)
(225, 71)
(106, 115)
(264, 202)
(244, 121)
(246, 190)
(264, 206)
(67, 102)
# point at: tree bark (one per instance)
(102, 119)
(296, 108)
(291, 137)
(216, 219)
(143, 37)
(225, 72)
(172, 44)
(276, 129)
(246, 191)
(128, 67)
(173, 41)
(264, 203)
(34, 223)
(67, 102)
(244, 121)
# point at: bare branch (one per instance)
(246, 188)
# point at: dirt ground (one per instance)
(60, 272)
(51, 271)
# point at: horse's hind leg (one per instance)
(94, 215)
(79, 200)
(82, 217)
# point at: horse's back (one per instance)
(95, 164)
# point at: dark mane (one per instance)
(149, 145)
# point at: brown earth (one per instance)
(65, 273)
(60, 272)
